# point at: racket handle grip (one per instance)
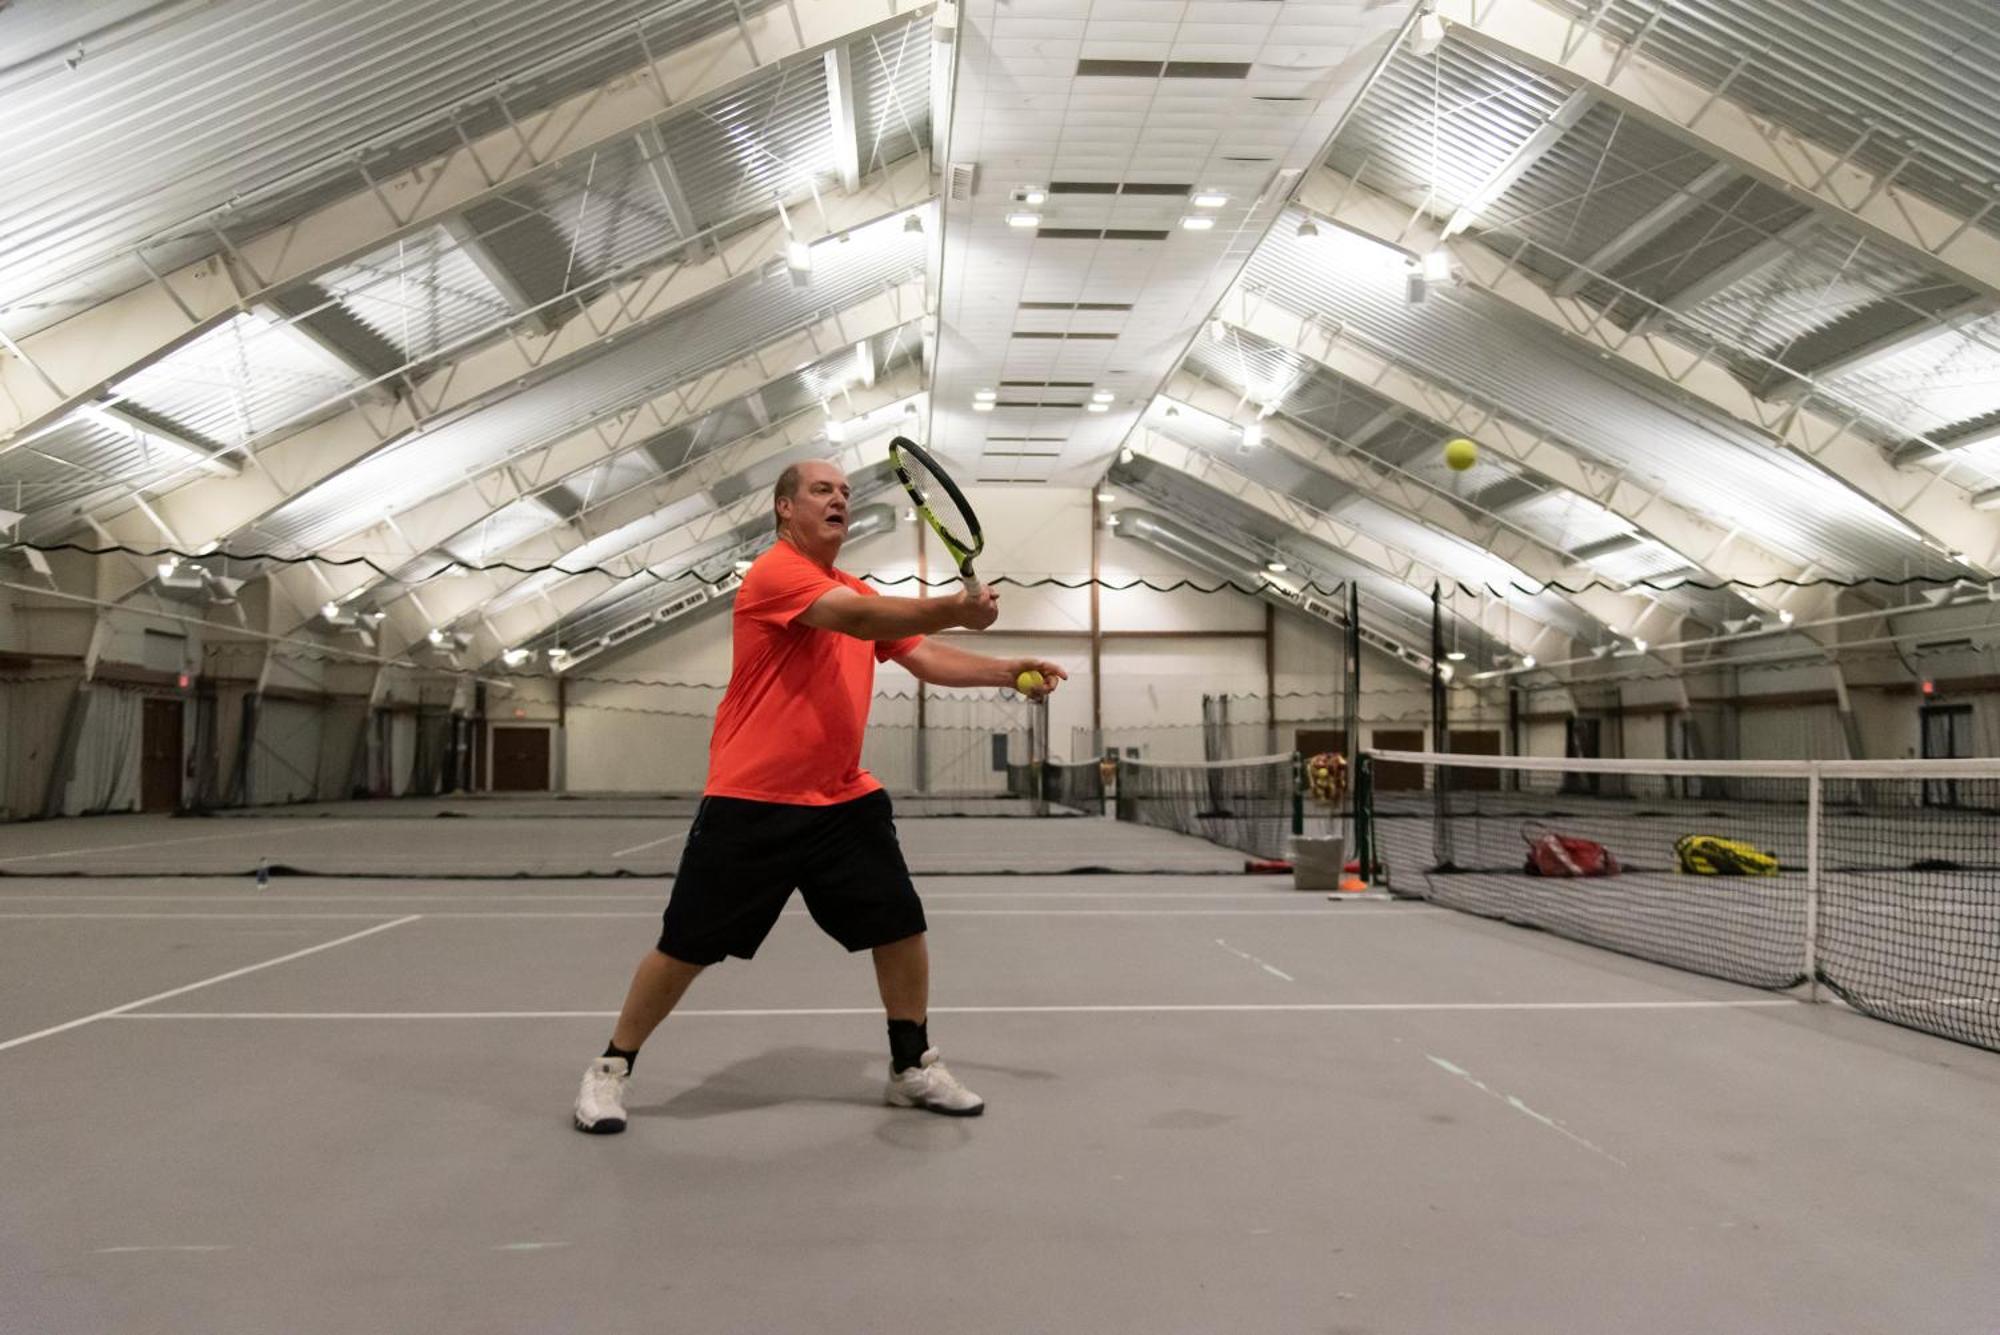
(971, 581)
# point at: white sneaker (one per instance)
(600, 1104)
(930, 1086)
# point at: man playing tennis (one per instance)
(787, 805)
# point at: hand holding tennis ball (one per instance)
(1035, 678)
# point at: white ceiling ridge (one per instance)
(523, 622)
(1354, 543)
(1723, 554)
(1931, 503)
(448, 599)
(1621, 611)
(58, 367)
(288, 468)
(1551, 40)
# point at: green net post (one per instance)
(1298, 794)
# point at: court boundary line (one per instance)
(1303, 911)
(117, 1012)
(1219, 1008)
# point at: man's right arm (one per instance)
(876, 618)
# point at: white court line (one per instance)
(1522, 1108)
(1309, 1007)
(1246, 955)
(154, 843)
(682, 834)
(1330, 915)
(181, 1247)
(615, 897)
(117, 1011)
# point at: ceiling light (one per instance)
(1125, 455)
(436, 637)
(331, 611)
(1527, 660)
(1638, 646)
(913, 222)
(1456, 655)
(1024, 220)
(798, 255)
(1308, 228)
(1218, 331)
(1173, 410)
(1253, 434)
(514, 657)
(1210, 199)
(742, 565)
(1097, 407)
(1106, 497)
(1194, 222)
(1102, 395)
(1031, 194)
(1444, 672)
(984, 395)
(1786, 617)
(1111, 521)
(910, 515)
(1427, 36)
(982, 405)
(1275, 567)
(836, 430)
(1437, 266)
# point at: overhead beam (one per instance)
(840, 106)
(286, 468)
(1770, 250)
(215, 459)
(1920, 328)
(1523, 159)
(1936, 504)
(1568, 47)
(310, 313)
(1655, 223)
(471, 241)
(68, 363)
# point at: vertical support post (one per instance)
(1096, 627)
(1813, 812)
(1351, 708)
(921, 769)
(1270, 678)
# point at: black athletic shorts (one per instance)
(743, 859)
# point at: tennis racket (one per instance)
(942, 505)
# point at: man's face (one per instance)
(818, 510)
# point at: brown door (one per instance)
(1475, 742)
(1396, 776)
(1312, 741)
(160, 756)
(520, 760)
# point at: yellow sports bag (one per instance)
(1712, 855)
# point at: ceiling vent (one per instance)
(1154, 69)
(964, 177)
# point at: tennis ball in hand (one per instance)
(1029, 680)
(1460, 454)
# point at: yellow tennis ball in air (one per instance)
(1029, 680)
(1460, 454)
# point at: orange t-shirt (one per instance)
(790, 724)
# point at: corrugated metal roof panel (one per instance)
(82, 455)
(1942, 382)
(1883, 73)
(1473, 343)
(746, 315)
(892, 94)
(240, 379)
(771, 137)
(422, 294)
(267, 103)
(1829, 275)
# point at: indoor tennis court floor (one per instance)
(1215, 1104)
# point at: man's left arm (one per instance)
(938, 664)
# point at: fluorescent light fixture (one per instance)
(799, 256)
(1253, 434)
(1445, 672)
(1024, 219)
(1638, 646)
(982, 405)
(1194, 222)
(1427, 36)
(742, 565)
(1527, 660)
(1102, 396)
(1437, 266)
(331, 611)
(1456, 655)
(1031, 194)
(1125, 455)
(1209, 199)
(436, 637)
(913, 222)
(1276, 567)
(910, 515)
(170, 567)
(836, 430)
(1786, 616)
(514, 657)
(1308, 228)
(1097, 407)
(1111, 521)
(985, 395)
(1107, 497)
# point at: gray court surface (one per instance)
(1216, 1104)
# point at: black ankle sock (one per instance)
(631, 1058)
(908, 1040)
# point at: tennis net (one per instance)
(1880, 880)
(1252, 805)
